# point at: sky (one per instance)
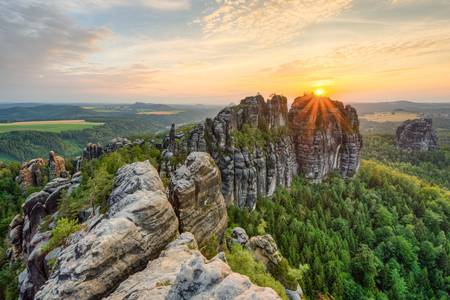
(219, 51)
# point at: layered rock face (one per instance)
(181, 272)
(27, 237)
(326, 136)
(417, 135)
(196, 197)
(248, 172)
(317, 136)
(140, 222)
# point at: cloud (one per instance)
(33, 38)
(86, 5)
(270, 21)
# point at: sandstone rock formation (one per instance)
(117, 143)
(326, 136)
(317, 136)
(265, 249)
(27, 237)
(196, 197)
(417, 135)
(181, 272)
(56, 166)
(92, 151)
(140, 222)
(248, 172)
(31, 173)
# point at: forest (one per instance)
(382, 235)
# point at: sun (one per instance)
(319, 92)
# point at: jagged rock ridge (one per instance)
(317, 136)
(100, 260)
(417, 135)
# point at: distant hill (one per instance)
(367, 108)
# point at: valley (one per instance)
(47, 126)
(370, 224)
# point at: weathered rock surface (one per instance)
(417, 135)
(56, 166)
(265, 249)
(197, 199)
(15, 237)
(31, 173)
(140, 222)
(239, 235)
(248, 172)
(326, 136)
(27, 237)
(317, 136)
(181, 272)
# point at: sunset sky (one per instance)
(216, 52)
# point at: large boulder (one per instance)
(417, 135)
(181, 272)
(140, 222)
(195, 193)
(265, 250)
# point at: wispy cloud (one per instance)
(34, 37)
(268, 22)
(83, 5)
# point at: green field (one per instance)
(53, 126)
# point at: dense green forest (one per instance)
(432, 166)
(382, 235)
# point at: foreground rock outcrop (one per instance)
(28, 234)
(417, 135)
(140, 222)
(259, 145)
(196, 197)
(181, 272)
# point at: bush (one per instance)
(243, 262)
(64, 228)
